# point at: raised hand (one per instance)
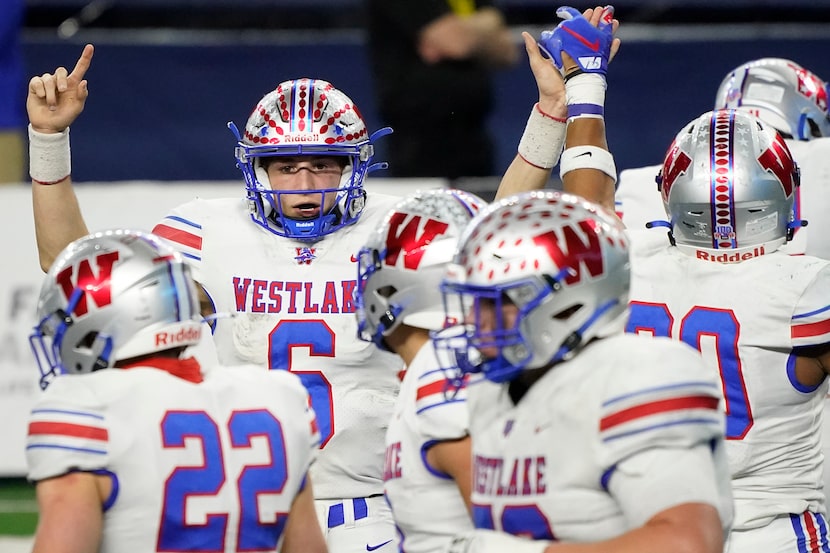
(587, 39)
(56, 99)
(548, 80)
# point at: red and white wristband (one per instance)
(50, 161)
(542, 140)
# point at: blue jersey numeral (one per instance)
(175, 533)
(699, 322)
(318, 339)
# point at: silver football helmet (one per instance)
(561, 261)
(111, 296)
(781, 93)
(401, 266)
(728, 183)
(306, 117)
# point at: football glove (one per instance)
(589, 46)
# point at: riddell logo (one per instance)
(185, 335)
(730, 257)
(302, 138)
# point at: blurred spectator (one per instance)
(431, 63)
(12, 93)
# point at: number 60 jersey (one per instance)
(214, 464)
(748, 319)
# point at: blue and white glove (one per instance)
(589, 46)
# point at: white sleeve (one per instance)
(68, 431)
(658, 479)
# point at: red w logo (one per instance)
(811, 87)
(96, 286)
(581, 248)
(676, 163)
(406, 240)
(777, 160)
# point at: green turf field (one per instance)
(18, 509)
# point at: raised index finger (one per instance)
(84, 62)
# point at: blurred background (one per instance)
(168, 74)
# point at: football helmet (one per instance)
(111, 296)
(306, 117)
(728, 183)
(781, 93)
(401, 266)
(559, 260)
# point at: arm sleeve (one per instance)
(441, 408)
(182, 229)
(655, 480)
(664, 397)
(68, 431)
(810, 325)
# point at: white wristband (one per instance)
(542, 141)
(491, 541)
(587, 157)
(586, 95)
(49, 156)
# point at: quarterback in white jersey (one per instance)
(150, 454)
(281, 262)
(582, 434)
(761, 318)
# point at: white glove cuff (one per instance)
(491, 541)
(587, 157)
(586, 95)
(542, 141)
(49, 156)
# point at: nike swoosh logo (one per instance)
(373, 547)
(589, 154)
(354, 260)
(592, 45)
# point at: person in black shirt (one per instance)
(432, 65)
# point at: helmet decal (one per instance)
(404, 242)
(97, 286)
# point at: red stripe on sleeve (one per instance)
(430, 389)
(67, 429)
(179, 236)
(655, 407)
(811, 329)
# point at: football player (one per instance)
(760, 317)
(281, 260)
(135, 447)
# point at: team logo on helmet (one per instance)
(97, 286)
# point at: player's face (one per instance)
(305, 173)
(487, 321)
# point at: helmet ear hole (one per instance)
(566, 313)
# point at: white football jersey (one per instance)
(427, 505)
(639, 202)
(292, 307)
(549, 466)
(746, 318)
(216, 463)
